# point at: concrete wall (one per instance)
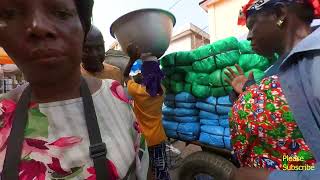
(180, 44)
(198, 41)
(223, 18)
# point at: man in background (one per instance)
(93, 58)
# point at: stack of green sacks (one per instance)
(201, 71)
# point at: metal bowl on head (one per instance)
(149, 29)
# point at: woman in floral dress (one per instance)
(45, 39)
(263, 129)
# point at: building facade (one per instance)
(223, 18)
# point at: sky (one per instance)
(105, 12)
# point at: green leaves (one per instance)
(242, 114)
(279, 132)
(37, 125)
(74, 173)
(306, 155)
(288, 116)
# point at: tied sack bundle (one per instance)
(181, 119)
(201, 71)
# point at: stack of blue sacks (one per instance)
(181, 117)
(214, 121)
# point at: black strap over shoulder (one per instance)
(98, 150)
(16, 137)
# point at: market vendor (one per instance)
(64, 125)
(148, 96)
(264, 129)
(94, 56)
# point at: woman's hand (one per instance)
(237, 81)
(133, 52)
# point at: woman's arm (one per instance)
(134, 53)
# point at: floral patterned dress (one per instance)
(263, 129)
(56, 141)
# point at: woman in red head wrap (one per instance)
(264, 128)
(62, 125)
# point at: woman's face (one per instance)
(44, 37)
(264, 34)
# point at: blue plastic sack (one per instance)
(168, 118)
(227, 142)
(211, 100)
(212, 140)
(170, 104)
(169, 97)
(169, 125)
(209, 122)
(168, 111)
(186, 112)
(206, 107)
(227, 132)
(224, 123)
(223, 110)
(186, 137)
(215, 130)
(185, 97)
(224, 117)
(186, 119)
(191, 129)
(224, 101)
(186, 105)
(171, 134)
(208, 115)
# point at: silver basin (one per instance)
(149, 29)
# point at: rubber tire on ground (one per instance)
(205, 163)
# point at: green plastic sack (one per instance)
(216, 79)
(168, 60)
(200, 91)
(183, 69)
(225, 45)
(253, 61)
(202, 52)
(184, 58)
(203, 79)
(166, 84)
(191, 77)
(188, 88)
(257, 73)
(168, 71)
(227, 59)
(178, 77)
(199, 78)
(220, 91)
(207, 65)
(245, 47)
(176, 87)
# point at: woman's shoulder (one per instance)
(107, 87)
(117, 90)
(14, 95)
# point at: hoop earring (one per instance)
(280, 22)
